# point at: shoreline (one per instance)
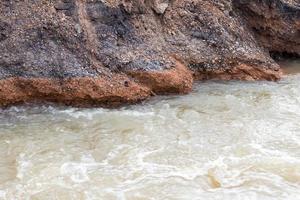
(120, 89)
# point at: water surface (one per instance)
(291, 66)
(226, 140)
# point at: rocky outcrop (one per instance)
(276, 24)
(96, 52)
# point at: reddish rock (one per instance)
(108, 53)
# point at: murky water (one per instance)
(290, 66)
(226, 140)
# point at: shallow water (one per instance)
(291, 66)
(226, 140)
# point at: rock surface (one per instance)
(112, 52)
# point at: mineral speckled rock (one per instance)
(276, 24)
(160, 6)
(96, 52)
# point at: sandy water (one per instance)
(225, 140)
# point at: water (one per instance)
(226, 140)
(290, 66)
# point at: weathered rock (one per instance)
(94, 52)
(276, 24)
(160, 6)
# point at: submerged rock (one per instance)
(94, 52)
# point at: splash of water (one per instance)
(232, 140)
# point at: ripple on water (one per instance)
(226, 140)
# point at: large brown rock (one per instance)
(94, 52)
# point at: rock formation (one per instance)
(113, 52)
